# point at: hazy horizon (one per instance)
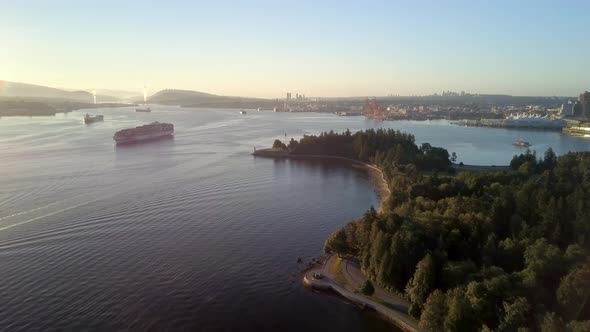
(264, 49)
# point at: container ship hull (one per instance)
(91, 119)
(143, 138)
(150, 132)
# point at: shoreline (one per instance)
(376, 176)
(393, 308)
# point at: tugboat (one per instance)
(147, 132)
(90, 119)
(243, 112)
(522, 143)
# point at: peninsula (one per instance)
(497, 250)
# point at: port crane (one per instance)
(373, 109)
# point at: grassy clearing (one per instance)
(336, 270)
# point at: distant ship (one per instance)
(90, 118)
(522, 143)
(147, 132)
(242, 112)
(143, 109)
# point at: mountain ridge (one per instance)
(27, 90)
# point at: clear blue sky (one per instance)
(319, 48)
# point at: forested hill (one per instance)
(477, 251)
(187, 98)
(389, 149)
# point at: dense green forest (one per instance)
(495, 251)
(389, 149)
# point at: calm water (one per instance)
(191, 233)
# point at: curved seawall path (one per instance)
(344, 277)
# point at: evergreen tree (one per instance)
(367, 288)
(421, 283)
(434, 312)
(551, 322)
(574, 292)
(515, 315)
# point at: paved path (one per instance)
(386, 303)
(356, 278)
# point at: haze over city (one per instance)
(327, 48)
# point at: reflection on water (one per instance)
(161, 141)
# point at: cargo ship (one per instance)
(152, 131)
(93, 118)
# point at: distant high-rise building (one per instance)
(567, 109)
(585, 101)
(288, 95)
(578, 109)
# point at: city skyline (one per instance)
(265, 49)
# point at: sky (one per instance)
(317, 48)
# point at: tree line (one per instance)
(389, 149)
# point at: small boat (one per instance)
(242, 112)
(521, 143)
(93, 118)
(143, 109)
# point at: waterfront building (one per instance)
(567, 109)
(585, 101)
(524, 120)
(533, 121)
(578, 109)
